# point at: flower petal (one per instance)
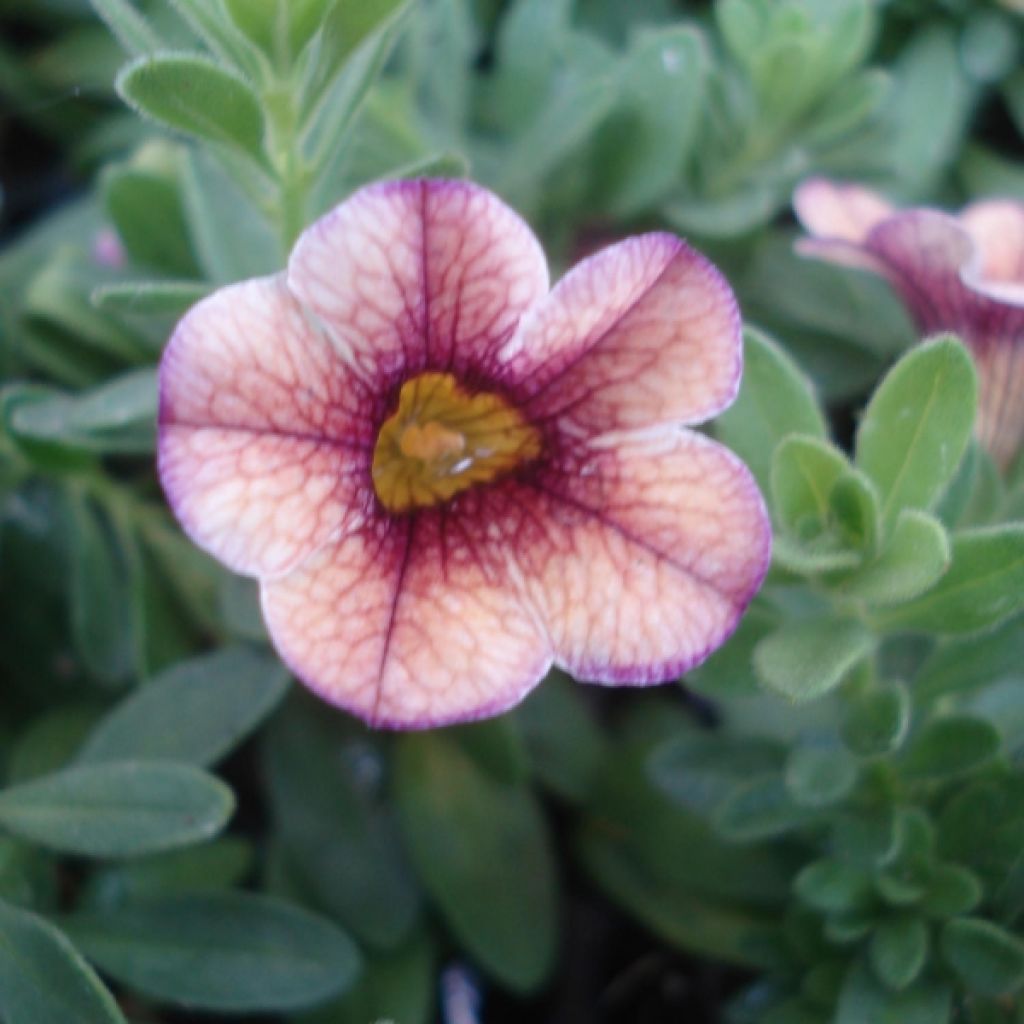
(409, 623)
(416, 275)
(645, 332)
(643, 555)
(263, 449)
(923, 252)
(1000, 362)
(997, 228)
(846, 213)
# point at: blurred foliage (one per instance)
(843, 822)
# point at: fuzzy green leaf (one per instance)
(898, 950)
(876, 722)
(918, 424)
(806, 659)
(949, 746)
(192, 94)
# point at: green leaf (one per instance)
(806, 659)
(195, 712)
(226, 951)
(918, 424)
(759, 809)
(914, 558)
(563, 741)
(814, 557)
(117, 810)
(43, 979)
(964, 666)
(863, 998)
(983, 586)
(150, 298)
(100, 594)
(192, 94)
(496, 745)
(348, 24)
(833, 886)
(131, 29)
(232, 238)
(207, 20)
(146, 207)
(116, 418)
(651, 130)
(898, 950)
(854, 507)
(804, 471)
(325, 783)
(876, 722)
(988, 959)
(775, 400)
(820, 776)
(218, 865)
(483, 853)
(952, 890)
(949, 746)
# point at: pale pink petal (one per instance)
(414, 275)
(645, 332)
(997, 228)
(1000, 424)
(265, 435)
(841, 212)
(641, 556)
(410, 623)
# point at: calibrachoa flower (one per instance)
(960, 273)
(446, 477)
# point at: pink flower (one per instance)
(447, 477)
(960, 273)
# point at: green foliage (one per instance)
(855, 845)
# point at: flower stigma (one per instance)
(442, 439)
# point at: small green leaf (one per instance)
(775, 400)
(43, 979)
(758, 809)
(854, 507)
(820, 776)
(482, 851)
(914, 558)
(207, 20)
(348, 24)
(804, 471)
(804, 660)
(983, 586)
(952, 890)
(124, 809)
(833, 886)
(949, 746)
(876, 722)
(863, 998)
(223, 951)
(195, 712)
(192, 94)
(898, 950)
(989, 960)
(918, 424)
(812, 558)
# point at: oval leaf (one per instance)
(43, 980)
(195, 712)
(117, 810)
(225, 951)
(988, 959)
(194, 95)
(918, 424)
(483, 853)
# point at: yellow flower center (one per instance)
(442, 440)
